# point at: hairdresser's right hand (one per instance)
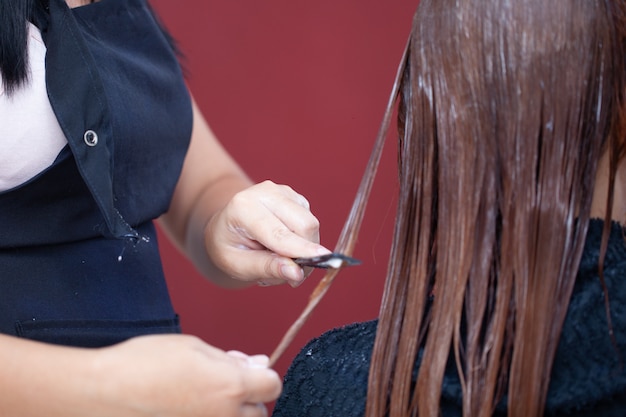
(181, 376)
(160, 375)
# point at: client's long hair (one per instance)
(505, 109)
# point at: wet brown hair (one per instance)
(505, 109)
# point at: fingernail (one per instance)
(291, 272)
(258, 361)
(323, 251)
(237, 354)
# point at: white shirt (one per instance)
(30, 135)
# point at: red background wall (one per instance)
(296, 92)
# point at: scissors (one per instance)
(331, 260)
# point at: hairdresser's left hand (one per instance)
(254, 237)
(234, 232)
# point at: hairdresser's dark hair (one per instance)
(505, 109)
(14, 15)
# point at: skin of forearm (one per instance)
(209, 179)
(38, 379)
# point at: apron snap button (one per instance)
(91, 138)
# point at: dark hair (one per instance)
(505, 110)
(14, 16)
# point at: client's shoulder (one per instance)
(330, 373)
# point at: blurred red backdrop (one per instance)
(296, 92)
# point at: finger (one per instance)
(259, 360)
(249, 360)
(266, 268)
(290, 275)
(284, 208)
(297, 198)
(253, 410)
(261, 384)
(239, 356)
(293, 215)
(273, 221)
(274, 233)
(277, 218)
(268, 186)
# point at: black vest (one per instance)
(79, 260)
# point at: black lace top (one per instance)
(329, 376)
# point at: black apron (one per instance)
(79, 259)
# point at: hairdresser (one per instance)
(100, 138)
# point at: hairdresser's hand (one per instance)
(254, 237)
(181, 376)
(161, 375)
(234, 232)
